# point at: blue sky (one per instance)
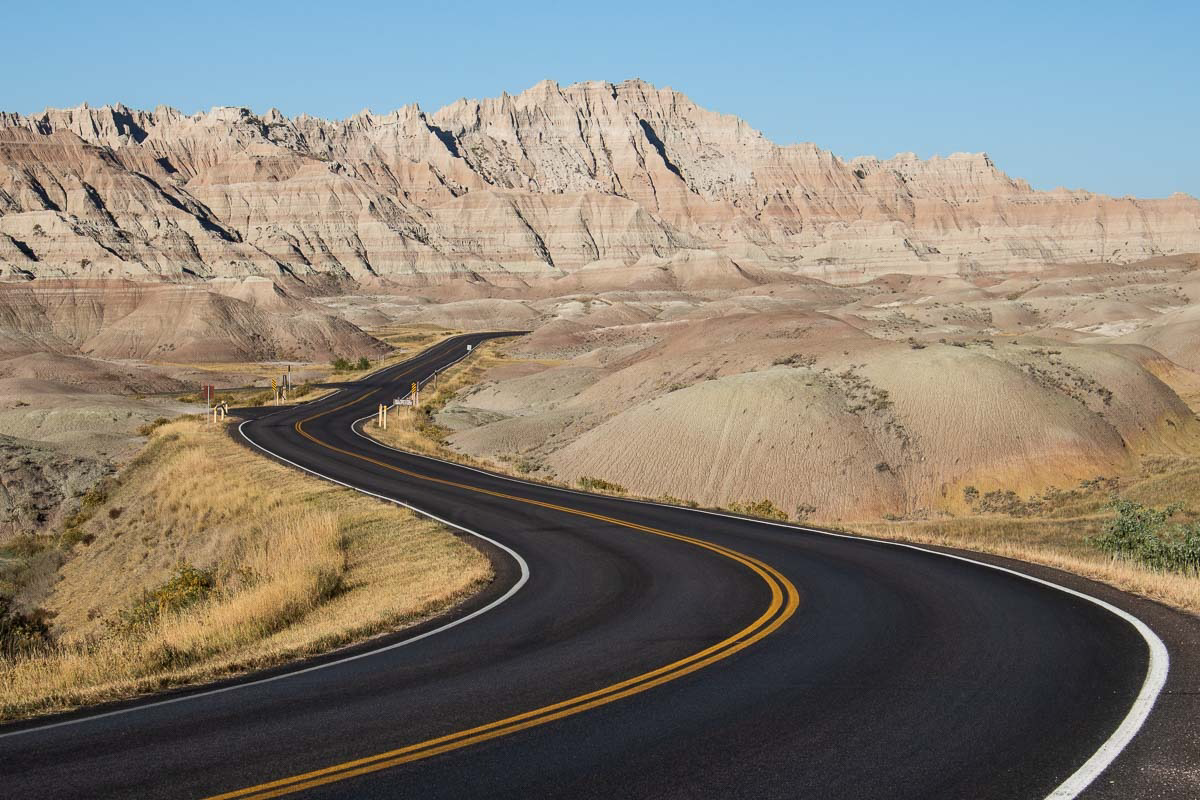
(1099, 95)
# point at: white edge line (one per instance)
(403, 643)
(1073, 786)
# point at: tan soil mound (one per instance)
(178, 322)
(83, 375)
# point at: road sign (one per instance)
(207, 391)
(469, 348)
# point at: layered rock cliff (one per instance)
(520, 188)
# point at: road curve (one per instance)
(629, 649)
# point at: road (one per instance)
(630, 649)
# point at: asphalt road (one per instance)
(636, 650)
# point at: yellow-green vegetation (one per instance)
(760, 508)
(1114, 530)
(592, 484)
(202, 560)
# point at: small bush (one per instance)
(21, 634)
(795, 360)
(187, 587)
(72, 532)
(590, 484)
(1146, 536)
(341, 364)
(526, 466)
(363, 363)
(760, 508)
(72, 536)
(804, 511)
(971, 495)
(150, 427)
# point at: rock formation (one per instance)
(521, 189)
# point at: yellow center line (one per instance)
(785, 599)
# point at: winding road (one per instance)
(636, 650)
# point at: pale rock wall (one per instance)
(521, 187)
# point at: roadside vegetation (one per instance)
(415, 428)
(1147, 536)
(590, 484)
(343, 364)
(201, 560)
(1140, 533)
(405, 339)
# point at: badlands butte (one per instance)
(714, 317)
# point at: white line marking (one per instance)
(403, 643)
(1156, 670)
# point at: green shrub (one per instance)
(363, 363)
(1146, 536)
(341, 364)
(590, 484)
(804, 511)
(760, 508)
(187, 587)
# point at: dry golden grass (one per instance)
(300, 567)
(1041, 542)
(1058, 537)
(412, 337)
(406, 339)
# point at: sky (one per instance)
(1098, 95)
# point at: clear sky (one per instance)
(1099, 95)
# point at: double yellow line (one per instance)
(784, 601)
